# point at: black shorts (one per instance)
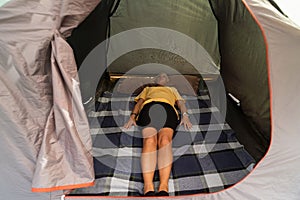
(158, 115)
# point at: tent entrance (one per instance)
(222, 29)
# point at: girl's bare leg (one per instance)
(149, 157)
(165, 157)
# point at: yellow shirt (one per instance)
(161, 94)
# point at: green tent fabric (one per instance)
(244, 65)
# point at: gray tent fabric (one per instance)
(45, 139)
(68, 122)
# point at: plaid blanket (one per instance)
(207, 158)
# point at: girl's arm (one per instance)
(134, 114)
(185, 120)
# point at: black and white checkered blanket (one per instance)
(207, 158)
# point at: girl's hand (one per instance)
(185, 121)
(130, 122)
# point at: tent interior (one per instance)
(225, 29)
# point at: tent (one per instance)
(46, 146)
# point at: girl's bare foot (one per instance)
(148, 187)
(163, 187)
